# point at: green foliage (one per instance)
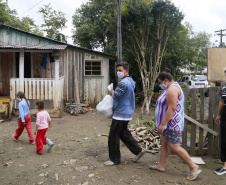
(190, 104)
(149, 124)
(187, 50)
(184, 86)
(95, 25)
(10, 18)
(55, 22)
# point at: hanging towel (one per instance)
(44, 60)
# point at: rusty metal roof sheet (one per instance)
(34, 47)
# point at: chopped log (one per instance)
(142, 133)
(150, 151)
(138, 129)
(153, 132)
(104, 135)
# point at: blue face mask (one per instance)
(19, 99)
(36, 108)
(163, 86)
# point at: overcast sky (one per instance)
(203, 15)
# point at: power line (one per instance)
(220, 33)
(31, 7)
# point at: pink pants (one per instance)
(40, 140)
(28, 127)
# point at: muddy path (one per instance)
(78, 156)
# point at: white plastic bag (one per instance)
(106, 105)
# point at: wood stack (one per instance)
(148, 138)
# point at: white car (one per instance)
(196, 81)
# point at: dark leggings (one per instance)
(223, 135)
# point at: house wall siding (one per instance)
(91, 88)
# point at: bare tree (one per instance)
(150, 26)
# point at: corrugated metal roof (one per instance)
(39, 46)
(69, 45)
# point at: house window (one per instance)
(92, 68)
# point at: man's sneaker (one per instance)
(13, 136)
(220, 171)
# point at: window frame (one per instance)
(92, 60)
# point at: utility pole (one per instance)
(119, 32)
(220, 33)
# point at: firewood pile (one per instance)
(148, 138)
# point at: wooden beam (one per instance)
(21, 70)
(26, 50)
(56, 87)
(76, 84)
(200, 125)
(14, 65)
(32, 65)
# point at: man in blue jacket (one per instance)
(123, 108)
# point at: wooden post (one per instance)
(210, 119)
(76, 84)
(201, 118)
(184, 135)
(21, 70)
(14, 65)
(57, 77)
(193, 126)
(32, 64)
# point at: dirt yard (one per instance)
(78, 156)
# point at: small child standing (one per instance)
(24, 120)
(41, 128)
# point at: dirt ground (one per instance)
(78, 156)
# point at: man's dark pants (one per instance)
(119, 130)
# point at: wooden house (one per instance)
(50, 70)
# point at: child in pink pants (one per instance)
(41, 128)
(24, 120)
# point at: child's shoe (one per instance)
(50, 143)
(13, 136)
(31, 142)
(38, 153)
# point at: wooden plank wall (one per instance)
(91, 89)
(39, 72)
(6, 72)
(193, 134)
(14, 37)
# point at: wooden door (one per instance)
(6, 72)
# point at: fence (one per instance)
(201, 106)
(39, 88)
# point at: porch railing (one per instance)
(38, 88)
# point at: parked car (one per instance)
(196, 81)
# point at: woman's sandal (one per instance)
(155, 168)
(139, 156)
(195, 175)
(109, 163)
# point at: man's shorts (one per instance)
(172, 136)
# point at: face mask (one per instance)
(163, 86)
(120, 75)
(36, 108)
(19, 99)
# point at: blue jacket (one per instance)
(124, 98)
(24, 109)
